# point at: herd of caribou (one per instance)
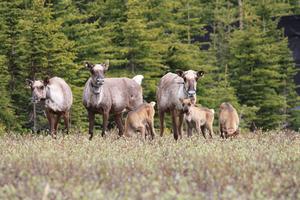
(176, 94)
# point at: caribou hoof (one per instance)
(175, 137)
(103, 134)
(91, 137)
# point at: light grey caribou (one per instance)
(109, 95)
(171, 88)
(57, 97)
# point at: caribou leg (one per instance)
(237, 132)
(143, 132)
(91, 123)
(190, 129)
(180, 122)
(199, 130)
(210, 128)
(161, 120)
(118, 120)
(48, 114)
(174, 124)
(221, 132)
(105, 123)
(203, 129)
(66, 117)
(51, 121)
(150, 129)
(56, 121)
(52, 129)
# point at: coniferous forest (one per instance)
(237, 43)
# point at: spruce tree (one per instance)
(256, 75)
(43, 50)
(7, 118)
(11, 71)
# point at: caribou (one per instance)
(198, 117)
(109, 96)
(228, 120)
(56, 95)
(171, 88)
(141, 120)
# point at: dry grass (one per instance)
(259, 166)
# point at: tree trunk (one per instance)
(241, 14)
(188, 19)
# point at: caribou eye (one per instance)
(190, 104)
(41, 87)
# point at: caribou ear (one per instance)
(200, 74)
(88, 65)
(29, 82)
(152, 103)
(179, 72)
(106, 65)
(46, 81)
(181, 100)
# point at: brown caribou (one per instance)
(171, 88)
(141, 120)
(57, 97)
(228, 120)
(109, 96)
(198, 117)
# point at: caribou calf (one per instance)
(200, 118)
(57, 97)
(228, 120)
(141, 120)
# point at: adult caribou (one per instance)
(57, 97)
(109, 95)
(173, 87)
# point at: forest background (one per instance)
(237, 43)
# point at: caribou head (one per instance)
(97, 74)
(190, 79)
(38, 88)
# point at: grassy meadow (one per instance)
(252, 166)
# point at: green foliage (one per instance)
(11, 108)
(249, 66)
(295, 119)
(257, 81)
(7, 117)
(262, 69)
(47, 51)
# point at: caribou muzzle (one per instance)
(191, 93)
(99, 81)
(37, 99)
(185, 110)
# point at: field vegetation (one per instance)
(252, 166)
(239, 44)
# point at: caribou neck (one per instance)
(186, 94)
(96, 89)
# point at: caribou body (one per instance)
(141, 120)
(109, 96)
(57, 97)
(173, 87)
(198, 117)
(228, 120)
